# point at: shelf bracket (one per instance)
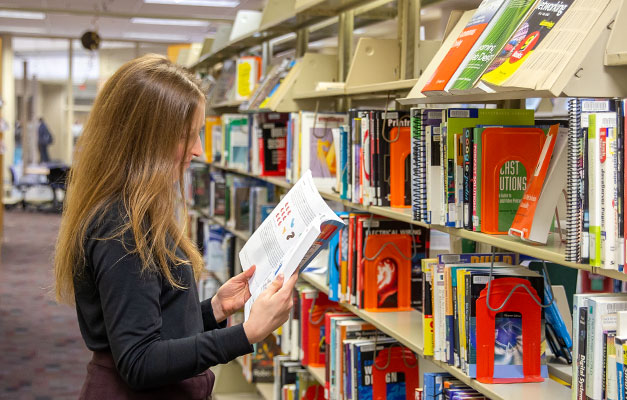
(616, 49)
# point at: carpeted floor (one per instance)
(42, 355)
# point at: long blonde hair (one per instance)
(126, 155)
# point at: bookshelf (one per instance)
(597, 69)
(553, 251)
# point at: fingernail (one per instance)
(280, 276)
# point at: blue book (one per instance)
(432, 383)
(335, 258)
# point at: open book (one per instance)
(289, 238)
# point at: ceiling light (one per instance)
(23, 29)
(201, 3)
(156, 36)
(165, 21)
(21, 14)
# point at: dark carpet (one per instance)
(42, 355)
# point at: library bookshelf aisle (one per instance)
(553, 251)
(406, 327)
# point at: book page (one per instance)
(296, 230)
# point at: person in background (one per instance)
(123, 258)
(44, 139)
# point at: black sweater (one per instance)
(157, 334)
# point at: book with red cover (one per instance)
(313, 307)
(273, 143)
(509, 156)
(464, 43)
(387, 272)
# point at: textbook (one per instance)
(513, 13)
(522, 43)
(473, 32)
(297, 229)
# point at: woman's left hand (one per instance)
(232, 295)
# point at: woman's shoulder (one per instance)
(108, 221)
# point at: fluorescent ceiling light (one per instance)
(156, 36)
(21, 14)
(165, 21)
(23, 29)
(201, 3)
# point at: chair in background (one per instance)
(57, 181)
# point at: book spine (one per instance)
(476, 183)
(459, 178)
(444, 178)
(360, 263)
(594, 174)
(416, 173)
(579, 367)
(620, 378)
(468, 178)
(430, 194)
(427, 310)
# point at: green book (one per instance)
(514, 13)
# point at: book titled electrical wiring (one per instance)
(299, 227)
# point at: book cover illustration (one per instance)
(463, 45)
(509, 155)
(263, 360)
(237, 136)
(322, 153)
(522, 43)
(508, 22)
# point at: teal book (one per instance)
(513, 14)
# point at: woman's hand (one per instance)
(271, 309)
(232, 295)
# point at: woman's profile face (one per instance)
(183, 155)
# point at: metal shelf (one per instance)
(406, 327)
(553, 251)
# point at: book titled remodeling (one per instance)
(289, 238)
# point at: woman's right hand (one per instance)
(271, 309)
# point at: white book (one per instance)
(366, 167)
(298, 228)
(597, 308)
(317, 149)
(443, 178)
(609, 180)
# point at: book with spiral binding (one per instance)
(417, 164)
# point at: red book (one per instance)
(272, 138)
(509, 157)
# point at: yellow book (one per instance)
(427, 306)
(213, 124)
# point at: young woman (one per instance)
(124, 261)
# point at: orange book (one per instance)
(463, 45)
(213, 135)
(400, 169)
(535, 213)
(387, 275)
(509, 156)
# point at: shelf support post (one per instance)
(345, 43)
(266, 56)
(409, 38)
(302, 41)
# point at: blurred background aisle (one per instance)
(42, 355)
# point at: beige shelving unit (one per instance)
(317, 373)
(597, 70)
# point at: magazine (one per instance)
(299, 227)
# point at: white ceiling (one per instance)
(111, 18)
